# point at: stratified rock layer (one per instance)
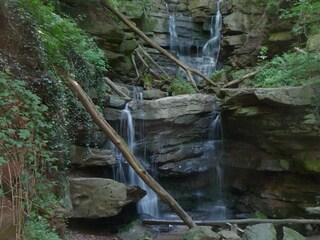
(272, 149)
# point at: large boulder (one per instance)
(96, 197)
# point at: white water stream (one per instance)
(206, 59)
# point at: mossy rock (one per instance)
(280, 36)
(131, 9)
(308, 161)
(313, 42)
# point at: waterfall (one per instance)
(205, 60)
(212, 47)
(125, 173)
(216, 152)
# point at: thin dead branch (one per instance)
(116, 89)
(249, 75)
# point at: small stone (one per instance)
(200, 233)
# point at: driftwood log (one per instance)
(234, 221)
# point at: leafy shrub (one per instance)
(290, 69)
(24, 145)
(180, 86)
(38, 230)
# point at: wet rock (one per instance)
(172, 107)
(134, 194)
(229, 235)
(154, 94)
(290, 234)
(92, 156)
(200, 233)
(96, 197)
(263, 231)
(136, 231)
(116, 102)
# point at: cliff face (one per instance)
(271, 155)
(272, 148)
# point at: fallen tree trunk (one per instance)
(116, 89)
(131, 25)
(123, 148)
(154, 62)
(239, 80)
(234, 221)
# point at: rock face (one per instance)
(92, 157)
(272, 148)
(175, 132)
(247, 26)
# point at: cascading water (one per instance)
(205, 60)
(216, 142)
(125, 173)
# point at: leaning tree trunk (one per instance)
(131, 25)
(123, 147)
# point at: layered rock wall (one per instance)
(272, 148)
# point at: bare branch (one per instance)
(239, 80)
(116, 89)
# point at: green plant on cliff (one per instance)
(64, 49)
(306, 13)
(180, 86)
(25, 135)
(290, 69)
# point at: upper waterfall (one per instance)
(201, 56)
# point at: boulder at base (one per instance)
(200, 233)
(263, 231)
(290, 234)
(96, 197)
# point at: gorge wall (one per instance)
(271, 145)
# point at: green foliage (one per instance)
(290, 69)
(180, 86)
(38, 230)
(63, 47)
(302, 8)
(25, 134)
(272, 7)
(60, 37)
(305, 11)
(147, 80)
(263, 53)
